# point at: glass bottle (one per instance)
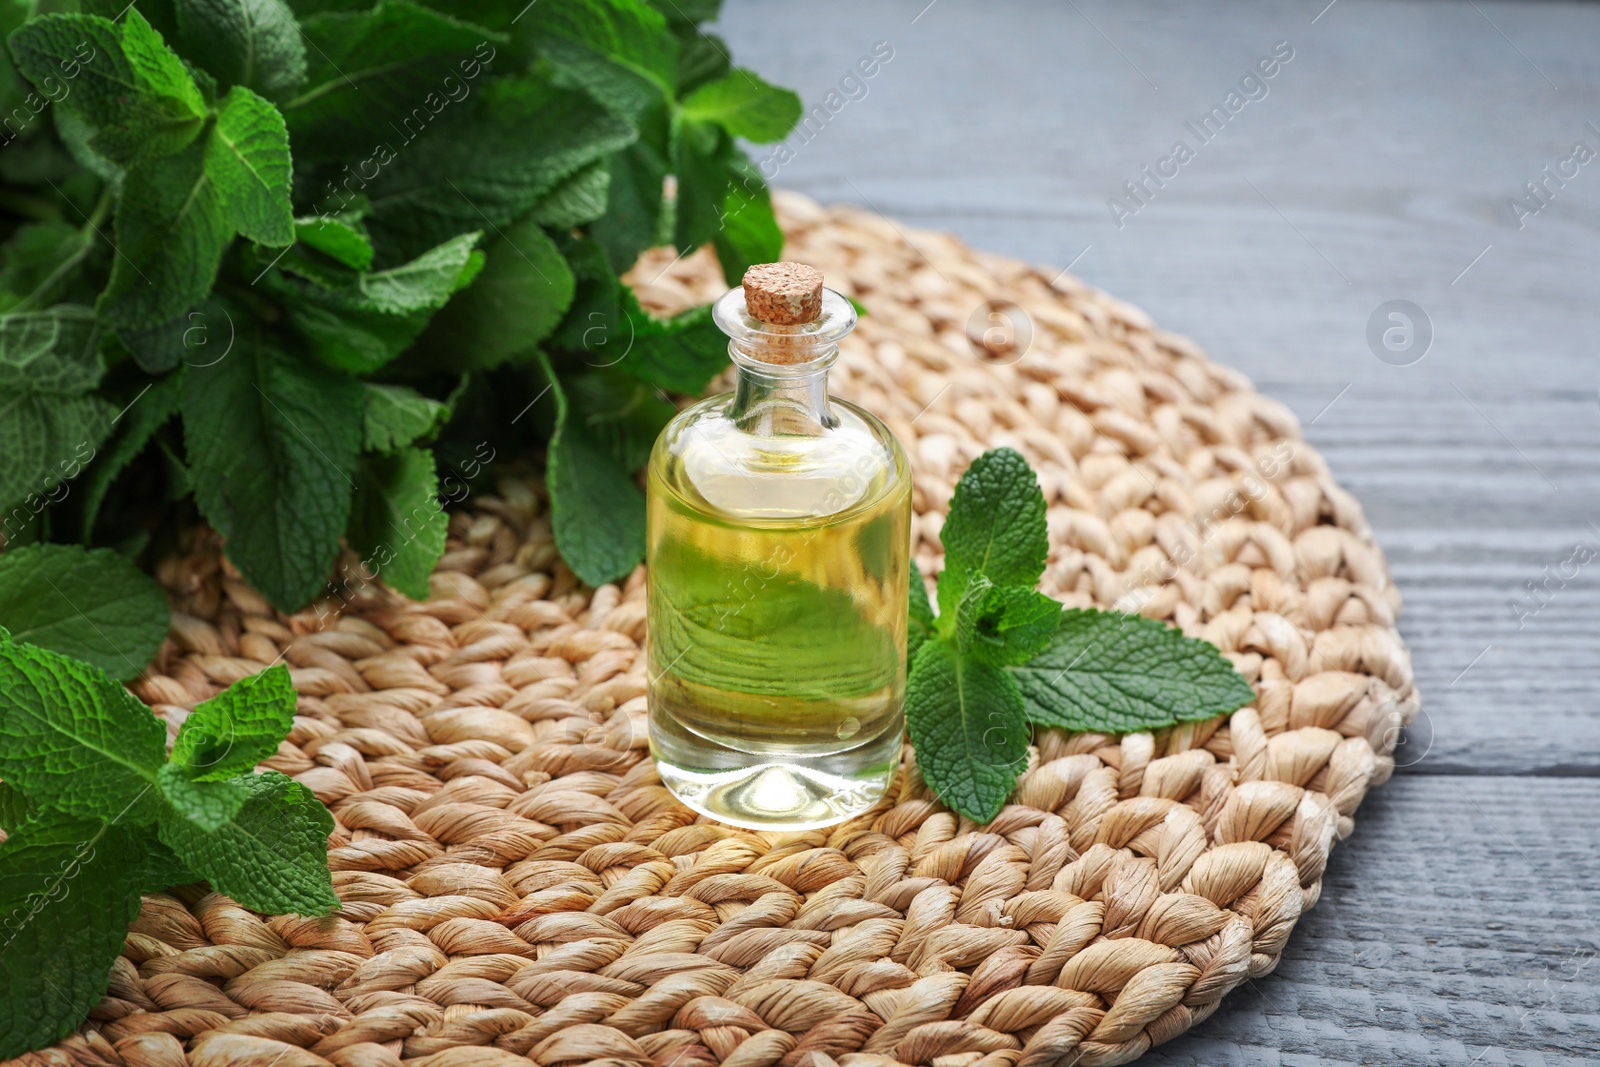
(779, 530)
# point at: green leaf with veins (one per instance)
(208, 805)
(523, 291)
(701, 156)
(745, 105)
(922, 624)
(427, 282)
(622, 415)
(618, 51)
(95, 606)
(272, 442)
(702, 57)
(247, 159)
(393, 416)
(361, 322)
(515, 141)
(1114, 673)
(580, 198)
(254, 43)
(397, 522)
(69, 887)
(681, 354)
(50, 45)
(170, 235)
(1004, 624)
(596, 510)
(271, 856)
(49, 424)
(38, 262)
(633, 204)
(340, 238)
(369, 69)
(157, 67)
(14, 808)
(72, 739)
(749, 233)
(996, 528)
(236, 729)
(968, 728)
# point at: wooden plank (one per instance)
(1377, 167)
(1457, 926)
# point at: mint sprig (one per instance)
(95, 814)
(241, 217)
(1001, 657)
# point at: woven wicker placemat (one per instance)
(518, 885)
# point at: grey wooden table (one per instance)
(1380, 163)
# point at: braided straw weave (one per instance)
(518, 886)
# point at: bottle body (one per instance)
(778, 537)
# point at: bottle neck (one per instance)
(772, 399)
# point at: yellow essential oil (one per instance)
(778, 549)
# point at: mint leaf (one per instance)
(745, 105)
(393, 416)
(397, 522)
(367, 69)
(361, 322)
(38, 262)
(95, 606)
(133, 94)
(272, 442)
(69, 888)
(490, 166)
(749, 233)
(702, 154)
(1004, 624)
(701, 58)
(271, 856)
(523, 291)
(427, 282)
(1115, 673)
(170, 235)
(622, 415)
(996, 528)
(14, 808)
(162, 869)
(54, 351)
(580, 198)
(618, 51)
(49, 428)
(633, 204)
(147, 413)
(85, 51)
(255, 43)
(236, 729)
(167, 110)
(247, 159)
(921, 622)
(342, 239)
(72, 739)
(681, 354)
(208, 805)
(156, 66)
(596, 510)
(968, 727)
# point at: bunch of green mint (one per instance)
(1001, 657)
(96, 813)
(305, 266)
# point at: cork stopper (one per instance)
(783, 294)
